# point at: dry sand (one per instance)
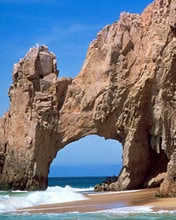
(103, 201)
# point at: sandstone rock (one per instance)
(110, 184)
(155, 181)
(168, 187)
(98, 188)
(172, 18)
(31, 121)
(126, 91)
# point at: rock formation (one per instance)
(125, 91)
(168, 187)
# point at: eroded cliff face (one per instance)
(168, 186)
(125, 91)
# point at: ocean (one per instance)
(70, 189)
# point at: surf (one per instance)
(11, 201)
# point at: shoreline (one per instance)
(106, 201)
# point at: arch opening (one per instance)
(91, 156)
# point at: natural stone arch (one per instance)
(125, 91)
(89, 156)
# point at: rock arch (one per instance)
(89, 156)
(125, 91)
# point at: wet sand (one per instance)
(103, 201)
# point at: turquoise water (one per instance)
(70, 189)
(90, 216)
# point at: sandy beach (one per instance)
(104, 201)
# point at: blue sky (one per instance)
(67, 27)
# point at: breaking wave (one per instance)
(10, 201)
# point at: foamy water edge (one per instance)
(53, 195)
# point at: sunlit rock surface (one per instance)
(125, 91)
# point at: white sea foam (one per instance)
(135, 210)
(82, 189)
(52, 195)
(118, 192)
(130, 210)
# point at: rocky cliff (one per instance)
(168, 186)
(125, 91)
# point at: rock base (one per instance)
(168, 187)
(110, 184)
